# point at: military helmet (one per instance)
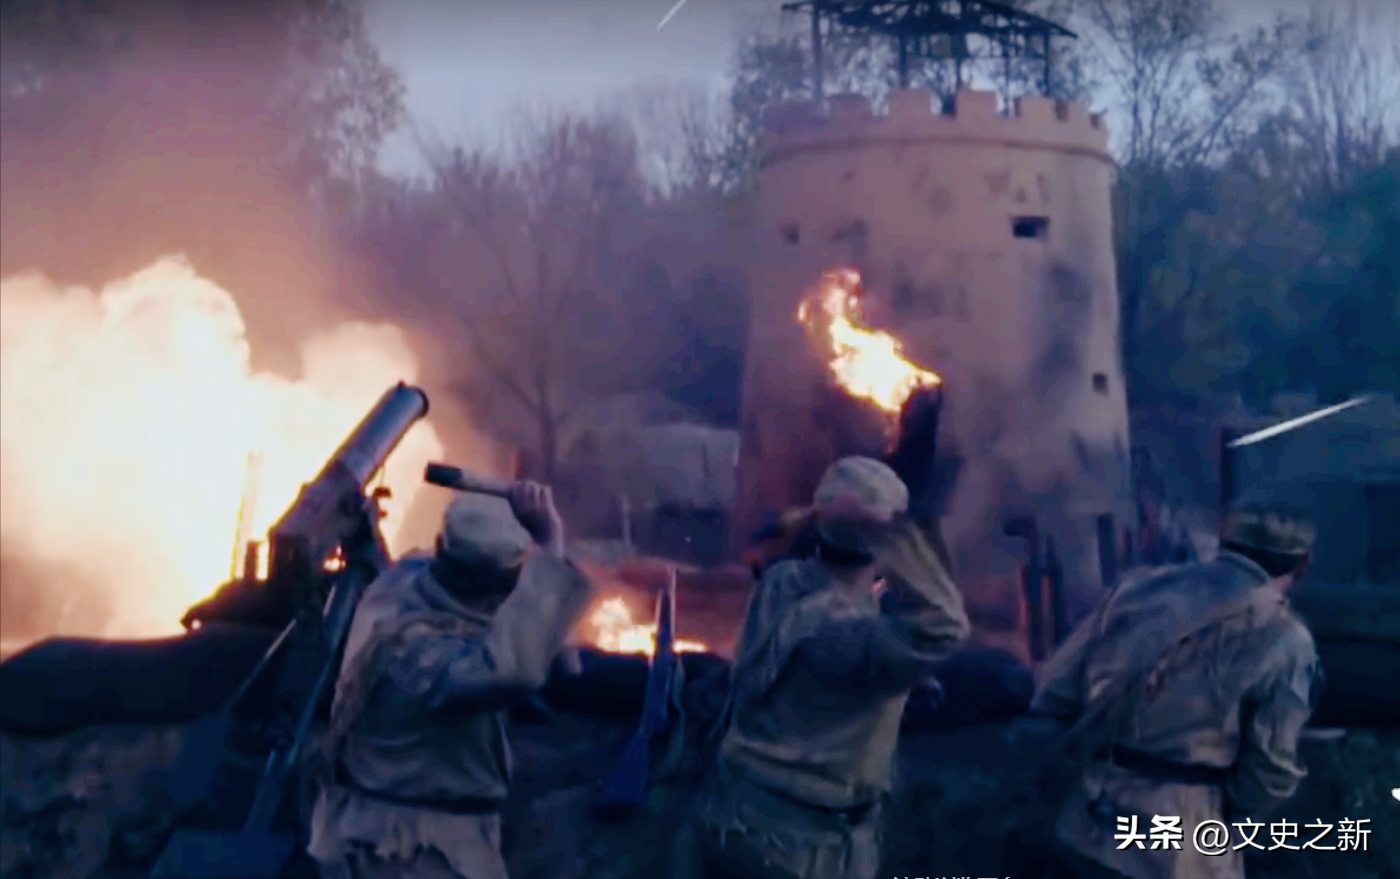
(1268, 528)
(482, 531)
(855, 496)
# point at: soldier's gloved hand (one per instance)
(533, 505)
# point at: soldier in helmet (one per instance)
(821, 675)
(1184, 694)
(418, 763)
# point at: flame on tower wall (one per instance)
(985, 245)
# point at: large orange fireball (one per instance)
(132, 414)
(866, 363)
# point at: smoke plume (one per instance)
(130, 413)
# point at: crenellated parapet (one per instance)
(915, 116)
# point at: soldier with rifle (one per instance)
(1184, 694)
(418, 763)
(823, 668)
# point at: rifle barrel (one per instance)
(626, 786)
(661, 674)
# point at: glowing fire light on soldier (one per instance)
(867, 364)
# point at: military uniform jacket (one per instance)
(821, 677)
(417, 747)
(1221, 675)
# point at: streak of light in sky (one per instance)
(672, 14)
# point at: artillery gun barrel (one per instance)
(322, 501)
(332, 513)
(330, 510)
(364, 451)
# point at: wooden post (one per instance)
(1229, 469)
(252, 555)
(1047, 81)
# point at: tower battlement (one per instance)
(849, 121)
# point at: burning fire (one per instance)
(614, 631)
(131, 414)
(866, 363)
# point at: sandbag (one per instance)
(63, 684)
(974, 687)
(613, 685)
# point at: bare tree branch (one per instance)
(539, 215)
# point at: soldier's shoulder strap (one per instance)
(1106, 709)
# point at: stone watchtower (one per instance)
(985, 245)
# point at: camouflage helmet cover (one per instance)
(1269, 529)
(853, 494)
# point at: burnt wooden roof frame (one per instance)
(916, 25)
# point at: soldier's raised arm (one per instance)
(523, 637)
(922, 595)
(923, 621)
(517, 652)
(1267, 771)
(866, 657)
(862, 514)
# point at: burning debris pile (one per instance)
(611, 628)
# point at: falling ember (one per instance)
(867, 364)
(614, 631)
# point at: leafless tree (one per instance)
(526, 269)
(685, 136)
(1344, 92)
(1183, 87)
(1185, 79)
